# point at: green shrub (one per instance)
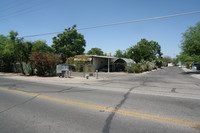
(44, 63)
(140, 67)
(152, 66)
(143, 67)
(128, 69)
(148, 68)
(165, 64)
(134, 68)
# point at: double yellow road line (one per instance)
(102, 108)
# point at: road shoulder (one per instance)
(193, 73)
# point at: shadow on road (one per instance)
(193, 72)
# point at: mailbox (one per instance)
(63, 67)
(63, 70)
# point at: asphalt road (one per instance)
(167, 101)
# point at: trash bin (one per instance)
(86, 76)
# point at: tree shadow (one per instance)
(192, 72)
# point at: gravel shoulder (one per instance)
(55, 79)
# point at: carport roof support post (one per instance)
(108, 65)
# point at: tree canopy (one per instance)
(69, 43)
(119, 53)
(95, 51)
(190, 45)
(6, 55)
(167, 59)
(191, 40)
(146, 50)
(41, 46)
(123, 53)
(15, 51)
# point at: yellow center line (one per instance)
(118, 111)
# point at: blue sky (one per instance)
(29, 17)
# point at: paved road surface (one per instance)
(166, 101)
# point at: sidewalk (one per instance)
(193, 73)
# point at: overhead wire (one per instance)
(33, 10)
(7, 3)
(112, 24)
(14, 5)
(25, 9)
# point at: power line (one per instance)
(13, 5)
(140, 20)
(30, 11)
(25, 9)
(7, 3)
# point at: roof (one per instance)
(128, 60)
(97, 56)
(113, 59)
(125, 59)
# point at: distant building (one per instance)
(105, 63)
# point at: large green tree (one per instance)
(124, 53)
(95, 51)
(6, 54)
(120, 54)
(191, 40)
(32, 47)
(146, 50)
(19, 48)
(69, 43)
(167, 59)
(190, 44)
(14, 50)
(40, 46)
